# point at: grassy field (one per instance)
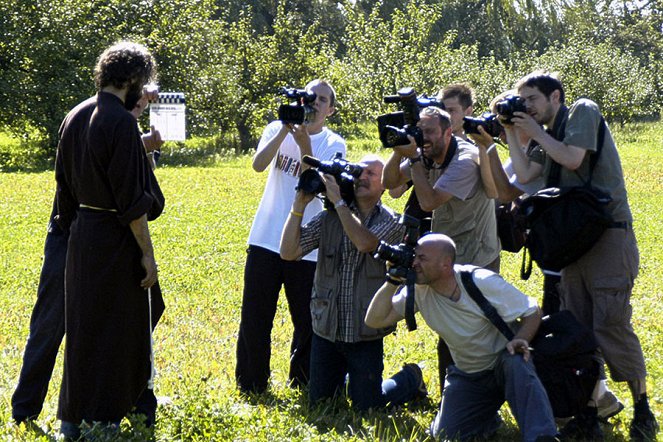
(200, 243)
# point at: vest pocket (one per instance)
(323, 313)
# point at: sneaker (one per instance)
(608, 406)
(643, 426)
(583, 427)
(422, 392)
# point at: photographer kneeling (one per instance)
(488, 370)
(345, 279)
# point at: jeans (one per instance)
(46, 330)
(362, 362)
(264, 274)
(471, 401)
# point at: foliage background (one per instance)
(229, 56)
(200, 243)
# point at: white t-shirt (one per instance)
(284, 171)
(474, 342)
(530, 188)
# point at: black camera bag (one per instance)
(563, 354)
(511, 227)
(564, 223)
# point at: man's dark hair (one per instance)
(442, 116)
(544, 81)
(123, 64)
(464, 93)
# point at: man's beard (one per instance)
(134, 94)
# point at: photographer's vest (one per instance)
(470, 223)
(368, 278)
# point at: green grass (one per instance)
(200, 243)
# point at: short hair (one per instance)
(317, 81)
(124, 63)
(463, 91)
(546, 82)
(442, 116)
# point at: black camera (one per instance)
(510, 104)
(300, 111)
(402, 255)
(396, 126)
(488, 121)
(343, 172)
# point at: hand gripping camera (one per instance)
(487, 120)
(396, 126)
(343, 172)
(402, 258)
(510, 104)
(300, 110)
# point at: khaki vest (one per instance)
(368, 278)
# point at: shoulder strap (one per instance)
(491, 313)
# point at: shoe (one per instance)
(608, 406)
(583, 427)
(422, 392)
(643, 426)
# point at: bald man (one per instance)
(487, 369)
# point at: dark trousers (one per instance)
(46, 330)
(264, 274)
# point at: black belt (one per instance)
(620, 225)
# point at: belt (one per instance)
(85, 206)
(620, 225)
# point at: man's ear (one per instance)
(554, 96)
(469, 110)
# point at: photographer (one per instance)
(458, 99)
(447, 180)
(281, 147)
(597, 287)
(488, 370)
(346, 277)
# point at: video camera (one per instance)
(487, 120)
(343, 172)
(402, 255)
(300, 111)
(510, 104)
(396, 126)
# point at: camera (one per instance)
(402, 255)
(396, 126)
(510, 104)
(488, 121)
(300, 111)
(343, 172)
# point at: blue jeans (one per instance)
(471, 401)
(46, 330)
(264, 274)
(362, 362)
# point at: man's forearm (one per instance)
(265, 156)
(429, 198)
(381, 313)
(363, 239)
(391, 174)
(290, 248)
(529, 326)
(568, 156)
(142, 234)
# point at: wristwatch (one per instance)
(340, 203)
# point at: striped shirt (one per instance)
(388, 230)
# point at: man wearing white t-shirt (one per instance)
(488, 370)
(280, 149)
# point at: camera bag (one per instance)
(563, 354)
(511, 227)
(564, 223)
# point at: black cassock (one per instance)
(104, 181)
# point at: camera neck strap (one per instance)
(451, 152)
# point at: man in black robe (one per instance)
(106, 193)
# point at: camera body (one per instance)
(487, 120)
(300, 111)
(396, 126)
(342, 170)
(402, 255)
(510, 104)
